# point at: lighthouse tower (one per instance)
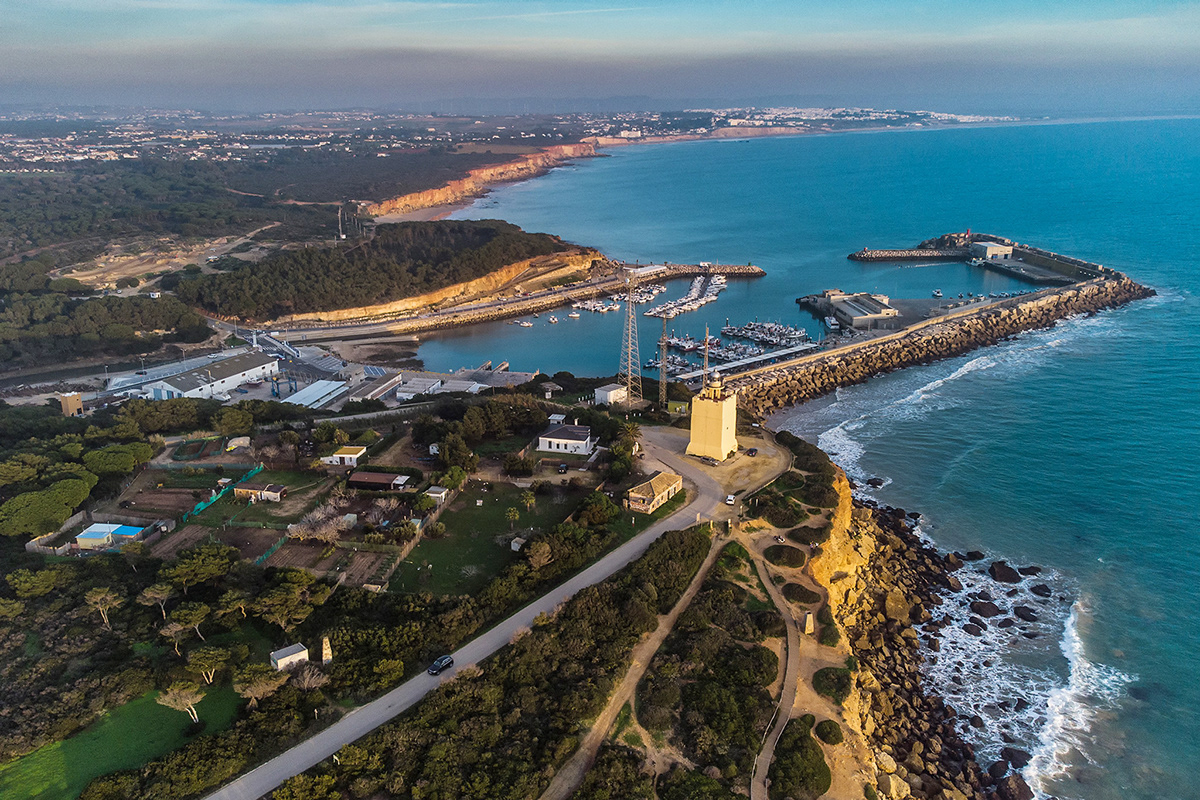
(714, 422)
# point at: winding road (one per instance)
(707, 504)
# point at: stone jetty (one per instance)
(769, 389)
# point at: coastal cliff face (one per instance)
(568, 262)
(479, 180)
(882, 581)
(765, 392)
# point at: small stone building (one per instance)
(648, 496)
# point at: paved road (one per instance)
(708, 499)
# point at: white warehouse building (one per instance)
(216, 380)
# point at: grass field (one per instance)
(126, 737)
(303, 489)
(468, 556)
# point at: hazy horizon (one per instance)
(504, 56)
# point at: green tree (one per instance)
(231, 421)
(512, 515)
(453, 451)
(207, 660)
(182, 696)
(175, 632)
(11, 609)
(233, 601)
(258, 681)
(103, 599)
(528, 499)
(597, 509)
(157, 595)
(292, 599)
(190, 615)
(199, 565)
(28, 584)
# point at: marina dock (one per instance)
(752, 361)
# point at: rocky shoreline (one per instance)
(883, 582)
(772, 388)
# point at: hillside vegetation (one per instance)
(403, 260)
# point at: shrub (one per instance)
(817, 535)
(800, 594)
(825, 616)
(829, 732)
(830, 636)
(833, 682)
(869, 792)
(799, 769)
(785, 556)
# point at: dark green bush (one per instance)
(800, 594)
(825, 616)
(785, 555)
(799, 770)
(807, 535)
(869, 792)
(830, 636)
(829, 732)
(833, 682)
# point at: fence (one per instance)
(203, 504)
(258, 562)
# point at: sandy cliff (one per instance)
(478, 181)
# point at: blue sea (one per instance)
(1073, 449)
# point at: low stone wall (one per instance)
(772, 388)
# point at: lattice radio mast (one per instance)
(662, 365)
(631, 365)
(704, 379)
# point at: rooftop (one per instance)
(574, 433)
(217, 371)
(659, 482)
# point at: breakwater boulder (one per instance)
(809, 377)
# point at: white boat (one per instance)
(574, 315)
(525, 324)
(937, 292)
(553, 320)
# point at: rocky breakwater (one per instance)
(479, 180)
(789, 383)
(882, 581)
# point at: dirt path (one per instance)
(791, 677)
(570, 777)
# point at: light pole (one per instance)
(106, 376)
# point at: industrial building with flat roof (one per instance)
(317, 394)
(215, 380)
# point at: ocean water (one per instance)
(1073, 449)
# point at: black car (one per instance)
(442, 663)
(562, 469)
(753, 451)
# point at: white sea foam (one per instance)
(1072, 709)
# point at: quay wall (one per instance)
(479, 180)
(769, 389)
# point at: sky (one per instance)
(1069, 57)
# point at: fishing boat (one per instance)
(553, 320)
(937, 292)
(574, 315)
(525, 323)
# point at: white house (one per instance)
(289, 656)
(347, 456)
(574, 439)
(611, 394)
(438, 493)
(217, 379)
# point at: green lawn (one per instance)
(124, 738)
(468, 556)
(300, 485)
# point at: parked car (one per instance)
(752, 452)
(562, 469)
(442, 663)
(729, 500)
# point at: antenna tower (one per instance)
(704, 378)
(662, 365)
(631, 365)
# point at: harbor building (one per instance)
(714, 422)
(862, 311)
(216, 380)
(991, 251)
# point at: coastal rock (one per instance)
(893, 787)
(1030, 570)
(1002, 572)
(975, 555)
(885, 762)
(1041, 590)
(1018, 758)
(973, 629)
(998, 770)
(953, 562)
(875, 482)
(897, 606)
(1026, 613)
(1013, 787)
(1007, 622)
(986, 609)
